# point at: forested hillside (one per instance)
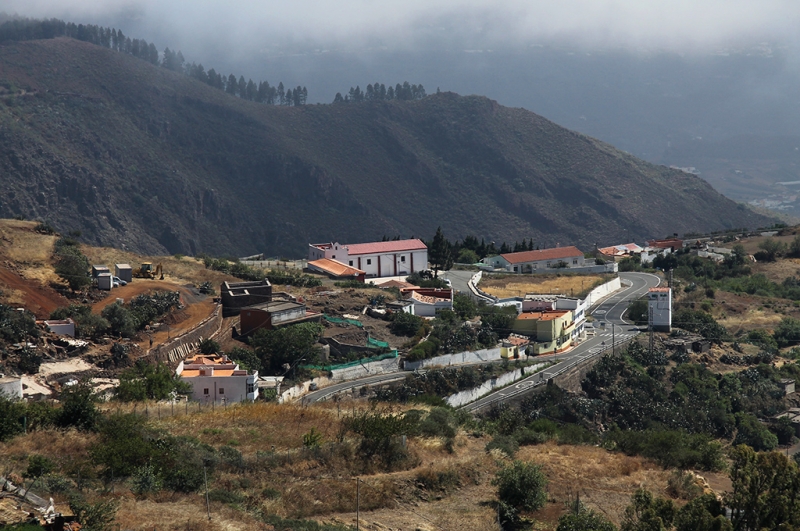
(138, 155)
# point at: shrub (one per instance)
(505, 443)
(681, 484)
(209, 346)
(438, 423)
(145, 479)
(226, 496)
(405, 324)
(520, 487)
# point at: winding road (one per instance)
(609, 312)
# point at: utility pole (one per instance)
(208, 506)
(358, 502)
(613, 340)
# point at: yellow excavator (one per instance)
(147, 271)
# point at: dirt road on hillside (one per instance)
(36, 298)
(196, 307)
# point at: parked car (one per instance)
(119, 282)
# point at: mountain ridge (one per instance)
(140, 157)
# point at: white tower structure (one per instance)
(660, 309)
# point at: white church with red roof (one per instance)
(376, 259)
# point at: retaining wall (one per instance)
(366, 369)
(600, 292)
(471, 395)
(461, 358)
(179, 347)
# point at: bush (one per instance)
(405, 324)
(226, 496)
(520, 487)
(209, 346)
(438, 423)
(145, 480)
(505, 443)
(150, 381)
(78, 407)
(670, 449)
(16, 326)
(120, 320)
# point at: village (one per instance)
(545, 323)
(372, 315)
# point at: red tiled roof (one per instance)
(335, 268)
(556, 253)
(660, 289)
(385, 247)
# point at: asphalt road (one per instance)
(609, 312)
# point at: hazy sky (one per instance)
(680, 25)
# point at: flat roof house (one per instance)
(537, 261)
(376, 259)
(274, 314)
(215, 378)
(550, 330)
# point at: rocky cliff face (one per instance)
(139, 157)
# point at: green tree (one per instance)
(521, 486)
(753, 433)
(771, 249)
(638, 312)
(467, 256)
(246, 358)
(72, 266)
(704, 513)
(287, 345)
(405, 324)
(787, 333)
(582, 519)
(439, 253)
(647, 513)
(120, 320)
(149, 381)
(464, 306)
(78, 407)
(209, 346)
(764, 490)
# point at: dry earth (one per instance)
(519, 285)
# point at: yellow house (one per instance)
(513, 347)
(550, 330)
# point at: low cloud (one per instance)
(683, 26)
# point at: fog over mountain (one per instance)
(706, 85)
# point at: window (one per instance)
(402, 258)
(515, 269)
(574, 262)
(369, 261)
(333, 256)
(221, 391)
(205, 391)
(548, 265)
(251, 388)
(351, 262)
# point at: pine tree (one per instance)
(440, 253)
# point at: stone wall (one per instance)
(461, 358)
(179, 347)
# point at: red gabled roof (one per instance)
(336, 268)
(398, 246)
(556, 253)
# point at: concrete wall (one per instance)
(600, 292)
(179, 347)
(461, 358)
(234, 387)
(11, 388)
(372, 368)
(471, 395)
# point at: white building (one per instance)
(11, 387)
(427, 302)
(376, 259)
(660, 308)
(65, 327)
(216, 378)
(538, 261)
